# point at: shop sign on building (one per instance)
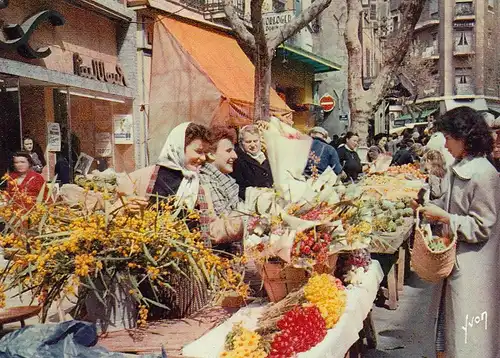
(275, 20)
(123, 129)
(463, 25)
(96, 70)
(18, 36)
(53, 137)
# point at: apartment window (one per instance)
(463, 40)
(433, 7)
(395, 23)
(463, 81)
(373, 11)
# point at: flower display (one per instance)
(300, 329)
(57, 249)
(312, 244)
(322, 291)
(243, 343)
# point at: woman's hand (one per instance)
(435, 213)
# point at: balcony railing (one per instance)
(463, 49)
(214, 6)
(464, 9)
(430, 52)
(464, 89)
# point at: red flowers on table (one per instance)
(301, 329)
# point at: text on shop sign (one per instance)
(96, 70)
(273, 20)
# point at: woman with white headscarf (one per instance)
(177, 173)
(177, 168)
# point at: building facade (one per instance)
(459, 36)
(329, 43)
(68, 81)
(293, 68)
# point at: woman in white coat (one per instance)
(467, 319)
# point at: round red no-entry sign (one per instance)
(327, 102)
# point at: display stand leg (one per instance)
(401, 268)
(356, 350)
(392, 302)
(369, 332)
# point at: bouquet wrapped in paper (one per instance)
(288, 153)
(304, 232)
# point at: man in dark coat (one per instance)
(322, 154)
(252, 168)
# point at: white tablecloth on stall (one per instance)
(337, 341)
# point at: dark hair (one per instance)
(196, 131)
(219, 133)
(465, 123)
(378, 137)
(24, 155)
(349, 135)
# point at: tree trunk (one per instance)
(360, 118)
(364, 102)
(262, 88)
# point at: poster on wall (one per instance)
(103, 145)
(123, 127)
(53, 137)
(83, 164)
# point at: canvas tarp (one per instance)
(202, 76)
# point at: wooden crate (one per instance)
(279, 280)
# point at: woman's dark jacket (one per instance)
(250, 173)
(350, 161)
(167, 183)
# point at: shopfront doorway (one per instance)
(10, 121)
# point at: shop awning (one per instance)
(423, 117)
(317, 63)
(199, 74)
(478, 104)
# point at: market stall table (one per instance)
(338, 340)
(170, 334)
(395, 245)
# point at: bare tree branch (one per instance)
(278, 37)
(238, 25)
(397, 46)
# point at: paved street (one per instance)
(408, 331)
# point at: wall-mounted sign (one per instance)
(276, 20)
(96, 70)
(123, 129)
(463, 25)
(53, 137)
(327, 102)
(18, 36)
(103, 144)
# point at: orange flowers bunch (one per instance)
(54, 245)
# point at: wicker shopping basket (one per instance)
(431, 266)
